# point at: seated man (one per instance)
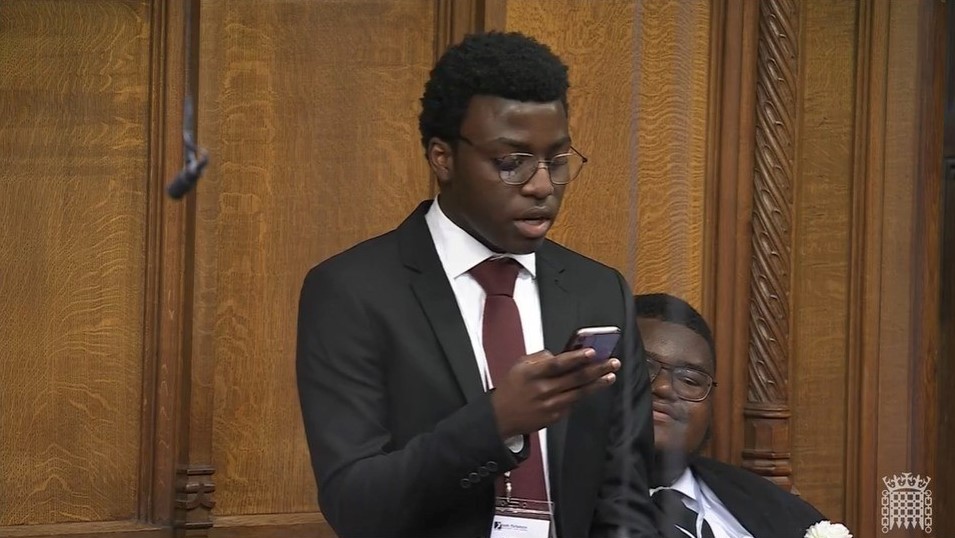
(701, 497)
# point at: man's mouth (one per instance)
(535, 222)
(664, 413)
(535, 228)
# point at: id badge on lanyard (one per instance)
(521, 518)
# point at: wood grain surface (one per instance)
(638, 107)
(310, 110)
(821, 247)
(73, 161)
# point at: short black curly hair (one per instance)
(665, 307)
(501, 64)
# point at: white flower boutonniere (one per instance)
(826, 529)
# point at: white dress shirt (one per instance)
(459, 252)
(697, 496)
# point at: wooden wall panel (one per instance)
(945, 479)
(74, 90)
(638, 107)
(895, 249)
(821, 254)
(892, 282)
(898, 260)
(309, 110)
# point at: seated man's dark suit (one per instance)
(763, 508)
(402, 435)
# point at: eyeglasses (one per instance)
(518, 168)
(689, 384)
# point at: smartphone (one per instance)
(603, 340)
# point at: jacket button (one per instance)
(474, 478)
(491, 466)
(465, 483)
(482, 471)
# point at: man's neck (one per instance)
(668, 467)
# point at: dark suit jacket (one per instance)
(398, 423)
(763, 508)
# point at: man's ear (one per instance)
(441, 159)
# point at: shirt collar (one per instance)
(459, 251)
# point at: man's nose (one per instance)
(539, 185)
(662, 386)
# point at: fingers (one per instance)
(571, 360)
(578, 364)
(598, 375)
(541, 388)
(544, 364)
(557, 404)
(590, 374)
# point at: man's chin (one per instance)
(667, 453)
(509, 243)
(522, 245)
(669, 436)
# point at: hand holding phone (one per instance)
(537, 391)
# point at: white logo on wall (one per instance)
(906, 503)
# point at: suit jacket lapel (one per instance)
(748, 509)
(434, 293)
(559, 316)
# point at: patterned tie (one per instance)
(503, 344)
(678, 520)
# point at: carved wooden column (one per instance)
(766, 412)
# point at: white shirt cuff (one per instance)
(515, 444)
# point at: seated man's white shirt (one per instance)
(697, 496)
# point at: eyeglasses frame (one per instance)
(546, 162)
(671, 369)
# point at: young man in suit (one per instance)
(702, 497)
(431, 365)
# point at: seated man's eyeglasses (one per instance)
(688, 383)
(518, 168)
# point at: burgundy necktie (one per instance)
(503, 345)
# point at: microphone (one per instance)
(186, 179)
(196, 158)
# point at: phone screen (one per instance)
(602, 344)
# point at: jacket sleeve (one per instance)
(623, 507)
(367, 486)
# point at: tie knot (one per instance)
(669, 500)
(497, 275)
